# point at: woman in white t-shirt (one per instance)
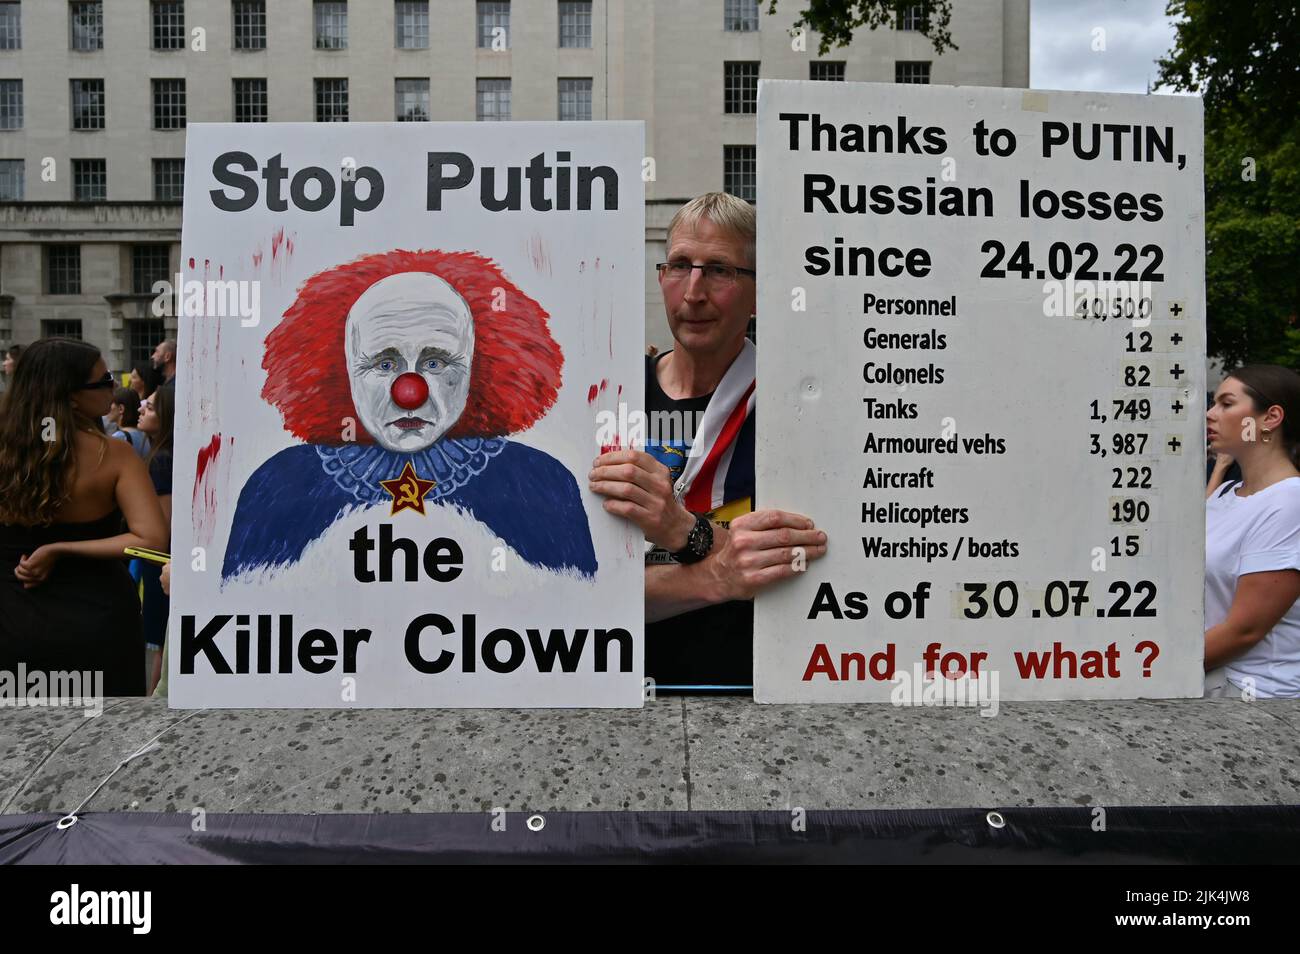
(1252, 538)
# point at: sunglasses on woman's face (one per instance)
(107, 381)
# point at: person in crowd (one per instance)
(165, 581)
(124, 418)
(144, 379)
(67, 602)
(12, 354)
(157, 417)
(1219, 468)
(1252, 537)
(693, 498)
(164, 359)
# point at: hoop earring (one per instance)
(1266, 432)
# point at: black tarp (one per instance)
(1143, 835)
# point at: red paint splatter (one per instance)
(207, 264)
(204, 499)
(620, 392)
(277, 240)
(207, 455)
(592, 392)
(257, 259)
(221, 271)
(604, 383)
(288, 246)
(191, 263)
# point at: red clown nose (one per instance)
(410, 391)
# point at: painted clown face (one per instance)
(409, 342)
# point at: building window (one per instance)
(11, 180)
(826, 71)
(87, 104)
(63, 270)
(168, 25)
(331, 18)
(911, 72)
(911, 18)
(149, 264)
(63, 327)
(11, 26)
(250, 100)
(493, 19)
(250, 24)
(142, 336)
(575, 24)
(412, 100)
(11, 104)
(412, 25)
(169, 104)
(740, 87)
(575, 99)
(89, 180)
(331, 100)
(740, 171)
(492, 100)
(86, 19)
(740, 16)
(168, 179)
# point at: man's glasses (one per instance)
(715, 274)
(107, 381)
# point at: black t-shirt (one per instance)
(713, 646)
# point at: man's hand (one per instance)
(34, 568)
(759, 549)
(638, 487)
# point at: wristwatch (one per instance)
(698, 542)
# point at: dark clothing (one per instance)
(160, 472)
(1234, 472)
(84, 616)
(156, 602)
(713, 646)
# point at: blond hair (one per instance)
(732, 215)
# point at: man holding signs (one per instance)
(694, 499)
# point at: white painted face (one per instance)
(409, 342)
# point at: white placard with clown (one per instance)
(397, 346)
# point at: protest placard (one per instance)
(982, 370)
(395, 343)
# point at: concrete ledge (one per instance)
(702, 754)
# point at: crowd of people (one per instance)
(86, 471)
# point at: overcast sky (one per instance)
(1137, 33)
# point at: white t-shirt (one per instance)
(1252, 535)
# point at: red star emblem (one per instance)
(408, 490)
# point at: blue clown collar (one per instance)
(450, 462)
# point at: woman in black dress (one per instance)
(67, 602)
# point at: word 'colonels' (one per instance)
(556, 187)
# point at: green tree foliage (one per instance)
(1243, 58)
(836, 20)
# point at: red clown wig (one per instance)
(514, 378)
